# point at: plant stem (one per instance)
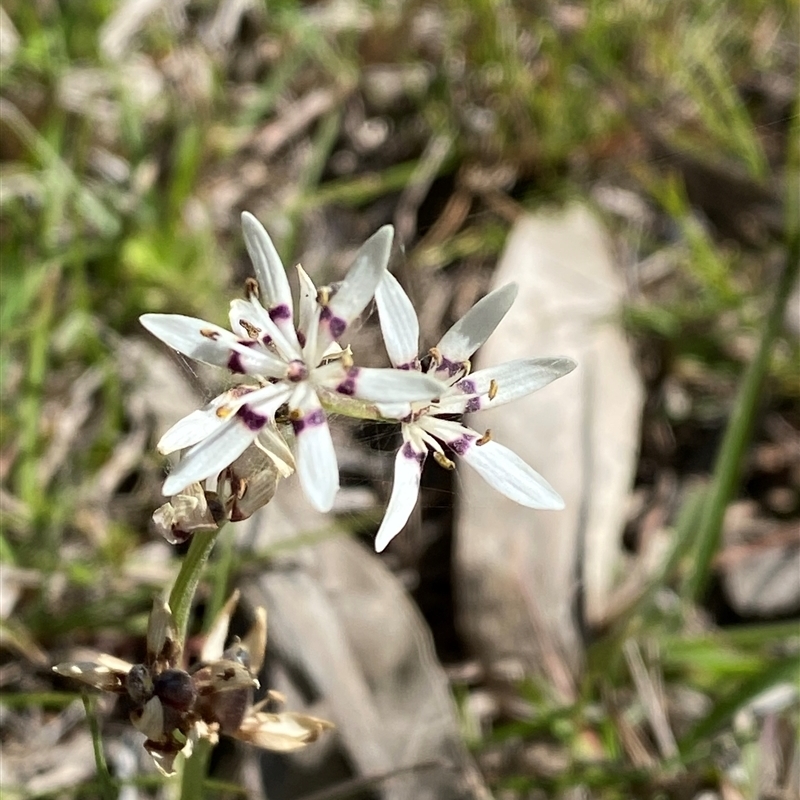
(194, 771)
(182, 594)
(106, 784)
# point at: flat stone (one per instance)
(525, 577)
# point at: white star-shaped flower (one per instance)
(428, 425)
(293, 362)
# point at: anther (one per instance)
(324, 295)
(251, 287)
(493, 387)
(443, 461)
(252, 331)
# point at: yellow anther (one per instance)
(493, 387)
(443, 461)
(252, 331)
(209, 334)
(436, 355)
(324, 295)
(347, 357)
(487, 437)
(251, 287)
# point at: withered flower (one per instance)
(236, 494)
(174, 707)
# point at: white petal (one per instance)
(385, 385)
(475, 327)
(308, 324)
(509, 474)
(218, 632)
(212, 455)
(407, 472)
(308, 308)
(211, 344)
(284, 339)
(399, 322)
(271, 275)
(274, 445)
(192, 428)
(394, 410)
(512, 380)
(358, 287)
(314, 454)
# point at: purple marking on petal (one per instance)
(467, 386)
(301, 338)
(451, 367)
(336, 325)
(348, 385)
(410, 453)
(309, 420)
(462, 444)
(410, 365)
(473, 404)
(235, 364)
(281, 311)
(252, 419)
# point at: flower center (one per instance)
(297, 372)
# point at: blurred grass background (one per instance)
(133, 135)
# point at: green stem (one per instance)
(347, 406)
(182, 594)
(106, 783)
(194, 771)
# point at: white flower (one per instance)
(293, 362)
(426, 425)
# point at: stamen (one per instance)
(251, 288)
(487, 437)
(324, 295)
(252, 331)
(209, 334)
(443, 461)
(436, 355)
(493, 387)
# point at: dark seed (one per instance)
(139, 684)
(175, 689)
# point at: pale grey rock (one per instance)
(761, 579)
(525, 577)
(342, 621)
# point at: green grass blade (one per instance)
(784, 670)
(737, 434)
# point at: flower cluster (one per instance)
(292, 368)
(293, 362)
(174, 707)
